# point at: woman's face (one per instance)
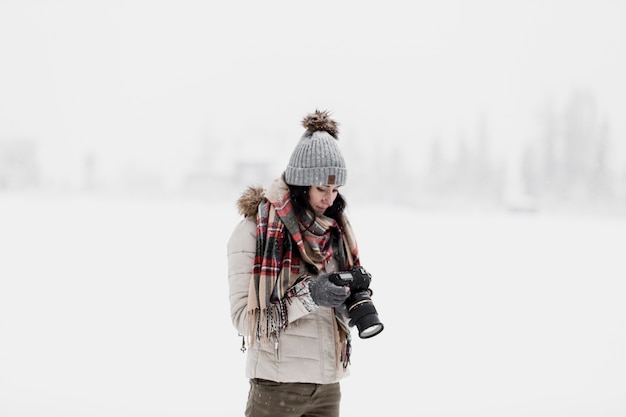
(322, 196)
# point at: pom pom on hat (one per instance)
(320, 120)
(317, 160)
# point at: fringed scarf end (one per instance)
(346, 352)
(267, 325)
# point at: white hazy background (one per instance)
(485, 143)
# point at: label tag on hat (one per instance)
(331, 180)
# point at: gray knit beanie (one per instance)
(317, 159)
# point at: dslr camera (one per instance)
(360, 307)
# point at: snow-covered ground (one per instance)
(120, 309)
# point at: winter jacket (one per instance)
(308, 350)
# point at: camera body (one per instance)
(360, 307)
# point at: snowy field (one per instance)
(112, 308)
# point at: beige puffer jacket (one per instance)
(309, 349)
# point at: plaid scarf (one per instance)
(282, 241)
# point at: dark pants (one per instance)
(276, 399)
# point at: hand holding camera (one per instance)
(359, 304)
(326, 293)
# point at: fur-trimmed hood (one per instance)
(249, 201)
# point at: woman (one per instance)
(282, 294)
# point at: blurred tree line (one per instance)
(567, 161)
(563, 165)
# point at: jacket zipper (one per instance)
(277, 350)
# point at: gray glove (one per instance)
(326, 294)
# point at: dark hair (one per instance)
(300, 200)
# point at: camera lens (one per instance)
(370, 331)
(363, 315)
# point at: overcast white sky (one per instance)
(138, 82)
